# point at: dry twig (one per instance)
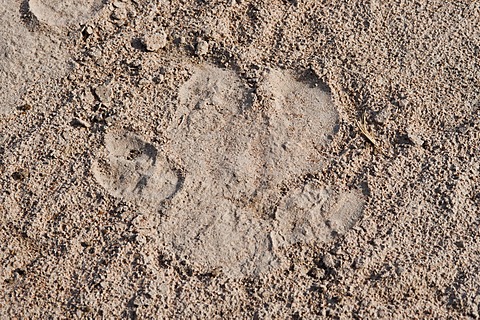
(362, 125)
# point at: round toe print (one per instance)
(134, 170)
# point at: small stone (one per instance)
(103, 93)
(460, 244)
(155, 41)
(95, 53)
(98, 118)
(119, 14)
(399, 270)
(358, 263)
(414, 137)
(329, 261)
(202, 48)
(101, 62)
(77, 122)
(109, 121)
(462, 129)
(143, 82)
(159, 78)
(89, 30)
(402, 103)
(118, 4)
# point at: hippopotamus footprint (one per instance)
(236, 157)
(236, 161)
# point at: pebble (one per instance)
(103, 93)
(95, 53)
(89, 30)
(120, 13)
(402, 103)
(77, 122)
(98, 118)
(156, 41)
(25, 107)
(202, 48)
(329, 261)
(118, 4)
(109, 121)
(159, 78)
(399, 270)
(414, 137)
(359, 263)
(462, 129)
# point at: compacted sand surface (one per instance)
(236, 159)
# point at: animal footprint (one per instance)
(236, 157)
(27, 57)
(63, 12)
(135, 171)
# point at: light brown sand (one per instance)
(202, 159)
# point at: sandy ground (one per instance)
(236, 159)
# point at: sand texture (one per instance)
(236, 159)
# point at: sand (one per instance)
(204, 159)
